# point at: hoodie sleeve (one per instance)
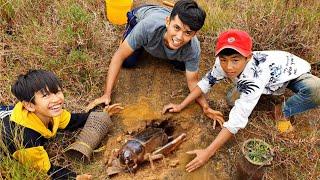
(77, 120)
(30, 150)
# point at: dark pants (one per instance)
(131, 22)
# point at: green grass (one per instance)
(74, 40)
(11, 169)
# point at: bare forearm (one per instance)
(118, 58)
(219, 141)
(114, 70)
(201, 100)
(194, 94)
(203, 155)
(192, 79)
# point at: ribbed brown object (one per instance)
(95, 129)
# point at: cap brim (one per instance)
(243, 52)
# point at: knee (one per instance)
(315, 94)
(312, 89)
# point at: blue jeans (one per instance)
(307, 95)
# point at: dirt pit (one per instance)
(135, 117)
(145, 89)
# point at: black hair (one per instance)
(189, 13)
(33, 81)
(227, 52)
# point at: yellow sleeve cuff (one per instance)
(36, 157)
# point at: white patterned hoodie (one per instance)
(267, 72)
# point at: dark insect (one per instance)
(151, 144)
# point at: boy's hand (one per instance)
(214, 115)
(103, 99)
(201, 158)
(84, 177)
(171, 108)
(113, 109)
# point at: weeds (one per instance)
(258, 151)
(74, 40)
(9, 167)
(273, 25)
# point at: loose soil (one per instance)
(146, 88)
(143, 91)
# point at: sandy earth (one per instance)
(144, 90)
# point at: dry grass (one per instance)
(70, 38)
(74, 40)
(285, 25)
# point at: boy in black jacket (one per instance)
(37, 116)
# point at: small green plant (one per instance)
(257, 152)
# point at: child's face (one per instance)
(48, 105)
(178, 34)
(233, 65)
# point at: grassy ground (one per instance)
(74, 40)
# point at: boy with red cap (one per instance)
(254, 73)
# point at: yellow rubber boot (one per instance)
(284, 126)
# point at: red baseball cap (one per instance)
(234, 39)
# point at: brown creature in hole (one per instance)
(154, 142)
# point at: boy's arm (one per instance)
(192, 80)
(120, 55)
(194, 94)
(77, 120)
(203, 155)
(118, 58)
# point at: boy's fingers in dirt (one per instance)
(220, 122)
(166, 108)
(214, 124)
(192, 165)
(219, 113)
(113, 109)
(114, 106)
(92, 105)
(84, 177)
(192, 152)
